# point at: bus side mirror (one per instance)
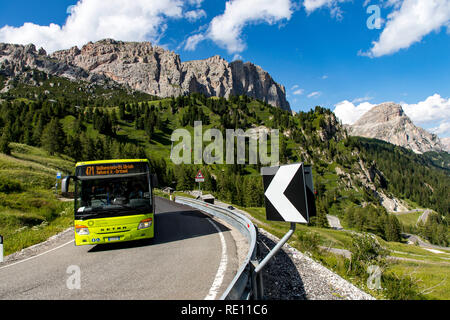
(154, 180)
(65, 183)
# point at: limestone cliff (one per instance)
(160, 72)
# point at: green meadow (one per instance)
(30, 212)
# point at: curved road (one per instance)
(188, 259)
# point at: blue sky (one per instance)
(322, 51)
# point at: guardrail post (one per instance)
(257, 281)
(260, 285)
(1, 248)
(254, 287)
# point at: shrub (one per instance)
(400, 287)
(9, 186)
(366, 251)
(309, 241)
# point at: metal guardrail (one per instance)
(244, 284)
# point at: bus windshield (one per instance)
(110, 197)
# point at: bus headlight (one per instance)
(81, 230)
(146, 223)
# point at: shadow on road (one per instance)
(182, 225)
(173, 222)
(121, 245)
(281, 278)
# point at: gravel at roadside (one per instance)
(292, 275)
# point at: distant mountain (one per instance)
(446, 143)
(150, 69)
(389, 122)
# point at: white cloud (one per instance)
(433, 112)
(362, 99)
(194, 15)
(295, 86)
(193, 41)
(196, 3)
(237, 57)
(92, 20)
(226, 29)
(409, 23)
(392, 3)
(349, 113)
(314, 94)
(324, 77)
(431, 109)
(298, 92)
(443, 130)
(69, 9)
(311, 5)
(332, 5)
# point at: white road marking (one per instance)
(38, 255)
(222, 266)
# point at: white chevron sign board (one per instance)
(289, 193)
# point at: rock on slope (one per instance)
(388, 122)
(160, 72)
(16, 59)
(446, 143)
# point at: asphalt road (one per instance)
(185, 260)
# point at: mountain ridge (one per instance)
(144, 67)
(388, 122)
(160, 72)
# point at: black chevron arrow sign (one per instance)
(287, 190)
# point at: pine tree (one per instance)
(53, 137)
(392, 229)
(4, 143)
(37, 131)
(27, 137)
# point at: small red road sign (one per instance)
(199, 177)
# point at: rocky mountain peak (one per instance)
(145, 67)
(389, 122)
(385, 112)
(17, 59)
(160, 72)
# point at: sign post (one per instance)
(58, 177)
(289, 196)
(1, 248)
(199, 178)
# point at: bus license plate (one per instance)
(114, 239)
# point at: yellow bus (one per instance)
(113, 201)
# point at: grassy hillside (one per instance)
(29, 209)
(409, 219)
(411, 272)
